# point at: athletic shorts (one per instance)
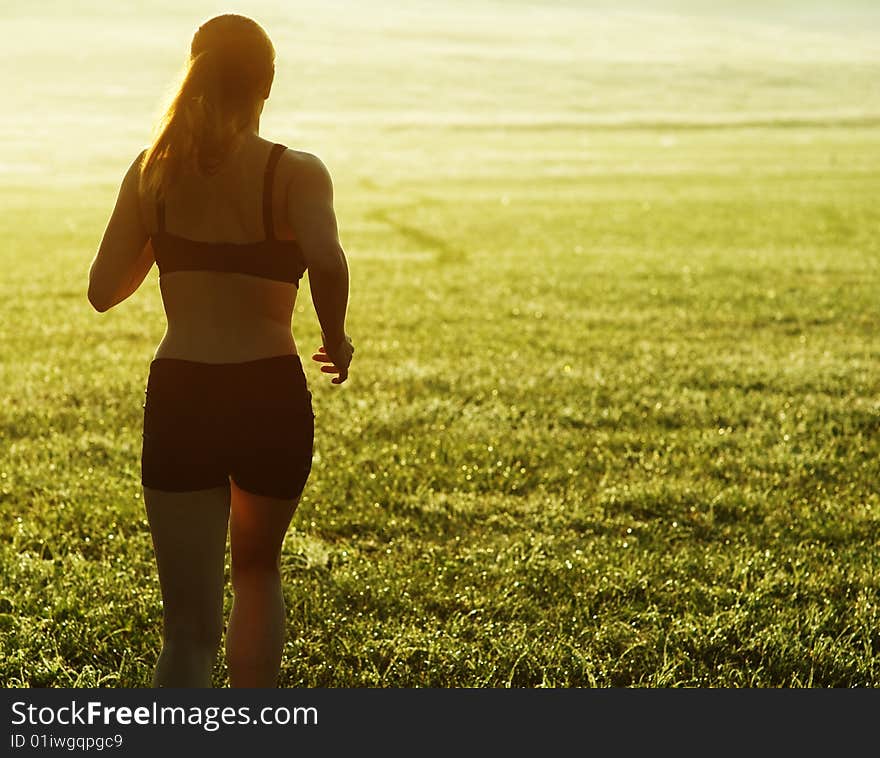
(207, 422)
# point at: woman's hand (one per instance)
(336, 359)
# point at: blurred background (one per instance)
(418, 88)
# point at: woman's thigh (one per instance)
(257, 526)
(189, 531)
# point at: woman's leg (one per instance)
(255, 633)
(189, 539)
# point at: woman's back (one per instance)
(218, 311)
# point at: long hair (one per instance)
(229, 71)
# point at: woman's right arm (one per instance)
(313, 221)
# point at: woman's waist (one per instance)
(218, 343)
(187, 385)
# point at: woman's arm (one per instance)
(313, 220)
(125, 255)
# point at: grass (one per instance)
(613, 419)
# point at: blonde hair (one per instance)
(229, 71)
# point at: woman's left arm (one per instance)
(125, 256)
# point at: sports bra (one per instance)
(271, 258)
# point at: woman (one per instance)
(232, 222)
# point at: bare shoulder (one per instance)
(133, 172)
(305, 173)
(147, 205)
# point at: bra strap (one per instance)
(160, 214)
(268, 184)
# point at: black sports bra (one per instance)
(271, 258)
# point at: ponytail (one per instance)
(213, 106)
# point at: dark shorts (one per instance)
(207, 422)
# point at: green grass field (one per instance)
(614, 416)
